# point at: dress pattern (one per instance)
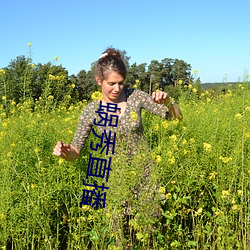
(129, 128)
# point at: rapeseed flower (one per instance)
(235, 207)
(164, 124)
(238, 116)
(29, 44)
(158, 159)
(225, 159)
(212, 175)
(180, 82)
(96, 96)
(171, 160)
(198, 212)
(162, 190)
(225, 193)
(2, 72)
(173, 137)
(168, 196)
(156, 127)
(56, 58)
(239, 192)
(207, 147)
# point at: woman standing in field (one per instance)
(110, 74)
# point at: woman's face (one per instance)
(112, 86)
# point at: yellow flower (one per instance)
(184, 141)
(61, 161)
(158, 159)
(168, 196)
(164, 124)
(37, 149)
(13, 103)
(247, 108)
(195, 71)
(225, 193)
(51, 77)
(56, 58)
(162, 190)
(191, 140)
(50, 97)
(190, 86)
(156, 127)
(29, 44)
(198, 212)
(247, 135)
(212, 175)
(133, 116)
(194, 90)
(137, 81)
(4, 124)
(239, 192)
(235, 207)
(2, 217)
(73, 85)
(173, 137)
(218, 212)
(225, 159)
(3, 97)
(2, 72)
(33, 186)
(171, 160)
(180, 82)
(207, 147)
(133, 172)
(96, 96)
(135, 86)
(238, 116)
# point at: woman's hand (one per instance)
(65, 151)
(161, 97)
(61, 149)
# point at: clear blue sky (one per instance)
(212, 36)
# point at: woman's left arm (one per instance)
(163, 98)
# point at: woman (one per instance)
(110, 74)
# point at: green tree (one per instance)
(18, 79)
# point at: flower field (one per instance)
(201, 165)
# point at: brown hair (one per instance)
(110, 60)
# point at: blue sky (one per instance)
(212, 36)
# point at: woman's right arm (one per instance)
(70, 152)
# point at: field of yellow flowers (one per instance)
(201, 164)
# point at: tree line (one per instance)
(22, 79)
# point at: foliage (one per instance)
(201, 165)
